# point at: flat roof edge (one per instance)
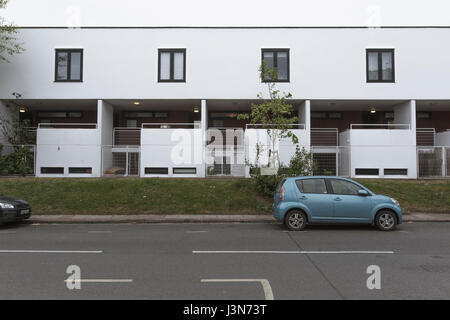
(235, 27)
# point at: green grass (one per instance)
(137, 196)
(191, 196)
(414, 195)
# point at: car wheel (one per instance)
(386, 220)
(295, 220)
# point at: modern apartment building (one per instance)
(371, 102)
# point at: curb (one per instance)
(88, 219)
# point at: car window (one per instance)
(278, 189)
(299, 185)
(344, 187)
(314, 186)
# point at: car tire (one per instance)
(295, 220)
(386, 220)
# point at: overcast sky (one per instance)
(227, 12)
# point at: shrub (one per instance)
(301, 164)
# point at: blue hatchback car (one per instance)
(309, 200)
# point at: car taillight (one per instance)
(282, 194)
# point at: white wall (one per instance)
(223, 63)
(172, 148)
(383, 149)
(105, 120)
(68, 148)
(405, 113)
(286, 148)
(443, 139)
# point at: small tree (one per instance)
(9, 44)
(273, 114)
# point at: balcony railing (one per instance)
(126, 136)
(67, 126)
(425, 136)
(299, 126)
(324, 137)
(384, 126)
(171, 126)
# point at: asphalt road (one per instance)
(223, 261)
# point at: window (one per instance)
(380, 65)
(344, 187)
(313, 186)
(184, 171)
(69, 65)
(395, 172)
(59, 115)
(279, 60)
(367, 172)
(321, 115)
(80, 170)
(156, 170)
(423, 115)
(171, 65)
(52, 170)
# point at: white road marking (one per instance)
(268, 293)
(47, 251)
(293, 252)
(199, 231)
(93, 231)
(100, 280)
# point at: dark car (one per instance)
(13, 209)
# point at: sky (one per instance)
(75, 13)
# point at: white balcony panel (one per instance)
(172, 148)
(68, 148)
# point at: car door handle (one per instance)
(337, 199)
(303, 198)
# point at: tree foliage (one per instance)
(274, 114)
(9, 43)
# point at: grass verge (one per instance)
(192, 196)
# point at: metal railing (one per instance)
(124, 162)
(67, 126)
(324, 137)
(126, 136)
(433, 162)
(425, 136)
(384, 126)
(299, 126)
(171, 126)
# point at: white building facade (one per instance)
(163, 102)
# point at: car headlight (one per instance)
(395, 202)
(6, 205)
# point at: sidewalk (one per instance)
(415, 217)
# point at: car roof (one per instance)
(318, 177)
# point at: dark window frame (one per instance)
(380, 65)
(327, 115)
(171, 51)
(69, 60)
(367, 170)
(87, 170)
(42, 169)
(395, 171)
(162, 170)
(55, 111)
(275, 62)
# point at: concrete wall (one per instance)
(443, 139)
(223, 63)
(105, 120)
(68, 148)
(172, 148)
(383, 149)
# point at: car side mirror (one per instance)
(363, 193)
